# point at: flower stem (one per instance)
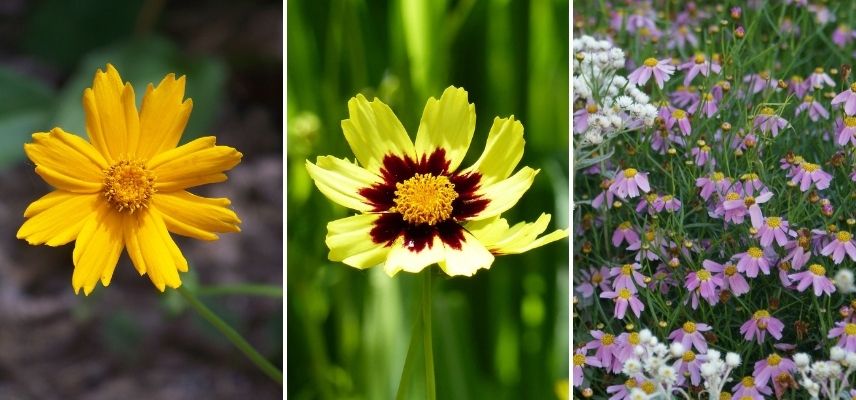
(426, 325)
(248, 289)
(233, 336)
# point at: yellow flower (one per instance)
(125, 187)
(417, 206)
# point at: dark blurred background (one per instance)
(128, 341)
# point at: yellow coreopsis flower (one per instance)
(125, 188)
(417, 206)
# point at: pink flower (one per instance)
(651, 203)
(624, 297)
(690, 335)
(815, 109)
(699, 66)
(748, 388)
(761, 323)
(661, 70)
(751, 261)
(706, 103)
(772, 366)
(842, 35)
(581, 117)
(684, 96)
(593, 278)
(705, 283)
(842, 244)
(731, 279)
(629, 183)
(680, 36)
(625, 275)
(605, 348)
(624, 232)
(819, 78)
(768, 121)
(736, 207)
(846, 334)
(799, 86)
(621, 391)
(798, 250)
(662, 280)
(689, 364)
(807, 173)
(670, 203)
(606, 197)
(759, 82)
(773, 228)
(626, 343)
(702, 154)
(816, 278)
(716, 182)
(847, 133)
(848, 97)
(581, 359)
(677, 116)
(752, 182)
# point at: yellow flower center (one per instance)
(631, 383)
(651, 197)
(755, 252)
(850, 121)
(843, 236)
(699, 59)
(765, 75)
(607, 339)
(809, 167)
(688, 356)
(650, 62)
(591, 108)
(850, 329)
(817, 269)
(597, 278)
(774, 222)
(761, 314)
(689, 327)
(749, 200)
(703, 275)
(708, 97)
(730, 270)
(624, 225)
(717, 176)
(748, 381)
(626, 269)
(774, 359)
(679, 114)
(808, 99)
(630, 172)
(725, 396)
(853, 87)
(667, 198)
(818, 70)
(732, 196)
(425, 199)
(624, 293)
(648, 387)
(705, 149)
(128, 185)
(767, 111)
(579, 360)
(634, 338)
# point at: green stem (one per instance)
(426, 325)
(233, 336)
(248, 289)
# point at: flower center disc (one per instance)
(128, 185)
(425, 199)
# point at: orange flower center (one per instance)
(808, 99)
(425, 199)
(626, 269)
(767, 111)
(128, 185)
(597, 278)
(717, 176)
(648, 387)
(624, 225)
(850, 121)
(749, 200)
(633, 338)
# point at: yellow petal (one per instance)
(57, 218)
(349, 241)
(152, 249)
(373, 131)
(468, 259)
(401, 258)
(504, 194)
(196, 163)
(503, 150)
(97, 250)
(496, 235)
(111, 115)
(66, 161)
(341, 181)
(163, 116)
(449, 124)
(194, 216)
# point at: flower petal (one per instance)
(194, 216)
(163, 116)
(373, 131)
(196, 163)
(496, 235)
(341, 181)
(449, 124)
(57, 218)
(401, 258)
(468, 259)
(503, 150)
(349, 241)
(97, 249)
(54, 152)
(111, 115)
(152, 249)
(504, 194)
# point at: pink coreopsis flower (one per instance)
(629, 182)
(799, 86)
(759, 82)
(847, 132)
(591, 279)
(626, 343)
(751, 261)
(581, 118)
(717, 182)
(815, 109)
(771, 367)
(670, 203)
(816, 278)
(736, 207)
(842, 35)
(660, 70)
(706, 104)
(848, 97)
(650, 203)
(621, 391)
(683, 96)
(662, 140)
(605, 347)
(747, 389)
(819, 78)
(842, 244)
(773, 228)
(701, 154)
(689, 365)
(625, 275)
(690, 335)
(624, 232)
(798, 251)
(680, 36)
(758, 326)
(732, 279)
(705, 283)
(580, 360)
(606, 196)
(752, 183)
(680, 117)
(624, 297)
(807, 173)
(699, 65)
(662, 280)
(846, 334)
(768, 121)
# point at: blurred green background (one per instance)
(501, 334)
(127, 340)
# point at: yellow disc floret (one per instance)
(688, 356)
(817, 269)
(679, 114)
(650, 62)
(809, 167)
(630, 172)
(689, 327)
(607, 339)
(579, 359)
(761, 314)
(425, 199)
(850, 329)
(730, 270)
(626, 269)
(624, 293)
(774, 222)
(774, 359)
(128, 185)
(748, 381)
(843, 236)
(703, 275)
(755, 252)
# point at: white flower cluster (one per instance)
(844, 281)
(829, 379)
(715, 371)
(655, 362)
(611, 104)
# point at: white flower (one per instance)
(638, 394)
(801, 360)
(713, 354)
(631, 367)
(667, 374)
(836, 353)
(850, 359)
(624, 101)
(619, 81)
(645, 335)
(844, 281)
(732, 359)
(708, 370)
(677, 349)
(593, 136)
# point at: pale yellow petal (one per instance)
(447, 124)
(341, 181)
(153, 251)
(97, 250)
(195, 216)
(504, 194)
(66, 161)
(373, 131)
(111, 115)
(350, 241)
(196, 163)
(163, 116)
(466, 260)
(57, 218)
(503, 150)
(401, 258)
(496, 235)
